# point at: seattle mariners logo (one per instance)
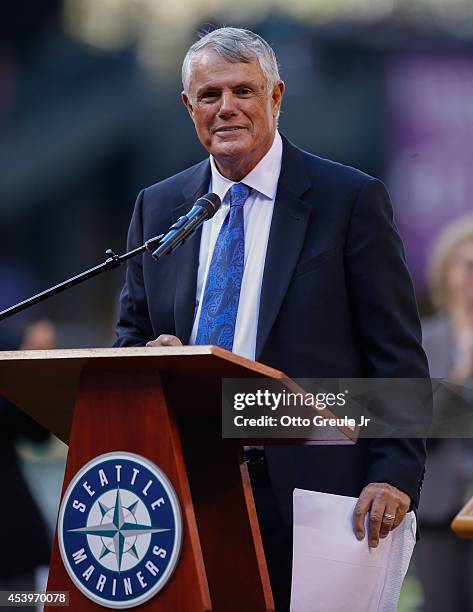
(120, 530)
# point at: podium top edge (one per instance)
(121, 352)
(141, 351)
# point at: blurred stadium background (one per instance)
(90, 113)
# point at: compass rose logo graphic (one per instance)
(120, 530)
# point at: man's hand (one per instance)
(387, 507)
(165, 340)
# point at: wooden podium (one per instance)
(163, 404)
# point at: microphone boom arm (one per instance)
(113, 261)
(204, 208)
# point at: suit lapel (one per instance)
(286, 237)
(187, 255)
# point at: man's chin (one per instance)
(235, 144)
(229, 151)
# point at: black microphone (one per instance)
(203, 209)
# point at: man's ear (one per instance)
(188, 104)
(277, 95)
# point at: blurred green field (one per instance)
(411, 595)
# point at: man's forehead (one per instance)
(209, 68)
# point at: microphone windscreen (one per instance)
(211, 202)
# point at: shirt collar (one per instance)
(263, 178)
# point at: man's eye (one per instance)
(243, 91)
(209, 95)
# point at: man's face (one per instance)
(233, 111)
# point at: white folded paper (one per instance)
(332, 570)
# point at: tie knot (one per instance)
(238, 194)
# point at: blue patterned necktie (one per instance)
(222, 289)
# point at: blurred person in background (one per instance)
(445, 562)
(25, 540)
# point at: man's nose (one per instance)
(227, 104)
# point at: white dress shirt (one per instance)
(258, 212)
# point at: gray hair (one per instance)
(455, 233)
(234, 45)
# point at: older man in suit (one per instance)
(301, 268)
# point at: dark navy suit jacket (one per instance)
(337, 301)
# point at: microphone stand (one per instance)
(113, 261)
